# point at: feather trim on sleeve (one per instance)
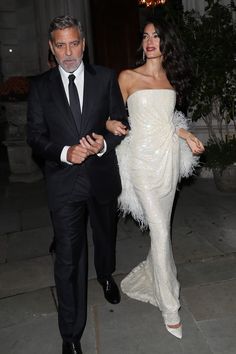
(188, 161)
(128, 202)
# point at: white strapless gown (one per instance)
(149, 162)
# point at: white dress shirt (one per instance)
(79, 82)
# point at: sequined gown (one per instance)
(149, 161)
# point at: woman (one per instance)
(151, 162)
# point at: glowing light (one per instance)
(151, 3)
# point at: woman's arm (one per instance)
(114, 126)
(193, 142)
(124, 78)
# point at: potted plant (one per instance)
(211, 41)
(220, 157)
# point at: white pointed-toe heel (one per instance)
(177, 332)
(172, 323)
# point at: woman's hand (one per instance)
(195, 144)
(116, 127)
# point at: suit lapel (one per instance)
(60, 99)
(89, 73)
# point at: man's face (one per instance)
(68, 48)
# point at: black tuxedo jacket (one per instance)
(51, 126)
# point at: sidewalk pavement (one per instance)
(204, 244)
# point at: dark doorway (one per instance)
(115, 26)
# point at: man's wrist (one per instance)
(104, 149)
(64, 155)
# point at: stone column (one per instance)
(22, 166)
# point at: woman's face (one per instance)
(151, 42)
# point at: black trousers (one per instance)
(71, 262)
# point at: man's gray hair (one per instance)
(62, 22)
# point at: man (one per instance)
(67, 127)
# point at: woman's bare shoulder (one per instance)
(126, 80)
(128, 77)
(126, 74)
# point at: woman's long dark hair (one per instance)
(176, 61)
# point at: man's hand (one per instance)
(76, 154)
(93, 144)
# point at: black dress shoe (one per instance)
(71, 348)
(110, 289)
